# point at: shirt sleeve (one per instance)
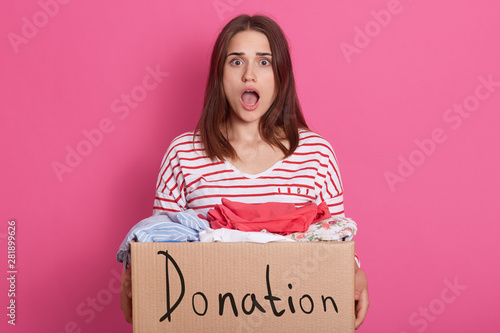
(170, 195)
(331, 189)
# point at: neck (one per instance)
(238, 131)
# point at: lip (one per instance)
(250, 107)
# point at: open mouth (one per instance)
(250, 98)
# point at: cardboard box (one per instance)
(243, 287)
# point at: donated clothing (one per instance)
(331, 229)
(231, 235)
(184, 227)
(276, 217)
(188, 179)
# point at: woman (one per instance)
(252, 143)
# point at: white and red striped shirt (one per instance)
(188, 179)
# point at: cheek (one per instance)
(226, 86)
(229, 91)
(272, 88)
(228, 83)
(271, 83)
(231, 96)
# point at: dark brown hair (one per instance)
(283, 116)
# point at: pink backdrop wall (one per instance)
(407, 92)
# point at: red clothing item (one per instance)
(277, 217)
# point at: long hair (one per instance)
(283, 116)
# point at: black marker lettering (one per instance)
(222, 300)
(170, 310)
(310, 300)
(255, 304)
(323, 299)
(204, 299)
(270, 296)
(290, 304)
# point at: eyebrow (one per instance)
(243, 53)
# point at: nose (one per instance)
(249, 74)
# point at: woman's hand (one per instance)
(126, 294)
(361, 299)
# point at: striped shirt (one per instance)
(188, 179)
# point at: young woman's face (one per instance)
(248, 76)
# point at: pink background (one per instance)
(434, 226)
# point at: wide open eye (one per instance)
(236, 62)
(264, 62)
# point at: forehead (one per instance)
(249, 41)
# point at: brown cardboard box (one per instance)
(243, 287)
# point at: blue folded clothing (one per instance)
(184, 227)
